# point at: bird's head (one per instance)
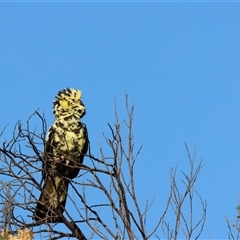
(68, 102)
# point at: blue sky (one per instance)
(178, 62)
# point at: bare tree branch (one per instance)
(103, 201)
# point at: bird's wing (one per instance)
(82, 148)
(86, 143)
(48, 151)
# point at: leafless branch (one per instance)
(179, 199)
(104, 201)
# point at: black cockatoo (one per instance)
(65, 147)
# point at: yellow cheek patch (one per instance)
(64, 104)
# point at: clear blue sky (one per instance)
(178, 62)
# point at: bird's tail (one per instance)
(52, 201)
